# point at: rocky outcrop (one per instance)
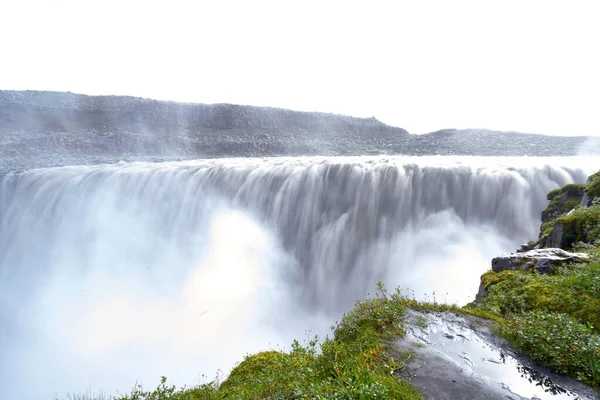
(540, 260)
(572, 216)
(566, 212)
(563, 200)
(544, 261)
(556, 237)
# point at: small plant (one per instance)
(421, 321)
(171, 392)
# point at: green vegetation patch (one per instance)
(490, 278)
(575, 290)
(571, 189)
(559, 341)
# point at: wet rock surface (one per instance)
(40, 129)
(457, 357)
(540, 260)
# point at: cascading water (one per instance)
(117, 272)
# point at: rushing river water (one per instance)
(115, 273)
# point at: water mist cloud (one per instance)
(117, 326)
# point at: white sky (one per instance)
(524, 65)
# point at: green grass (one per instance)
(574, 290)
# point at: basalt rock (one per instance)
(556, 237)
(541, 260)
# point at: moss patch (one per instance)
(575, 291)
(572, 189)
(546, 228)
(490, 278)
(593, 185)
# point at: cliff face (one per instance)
(51, 128)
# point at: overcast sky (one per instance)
(530, 66)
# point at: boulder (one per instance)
(540, 260)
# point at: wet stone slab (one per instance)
(457, 357)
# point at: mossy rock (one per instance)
(582, 225)
(571, 190)
(593, 185)
(563, 200)
(546, 228)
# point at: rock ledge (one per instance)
(540, 260)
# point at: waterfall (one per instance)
(180, 265)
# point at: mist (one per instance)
(104, 311)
